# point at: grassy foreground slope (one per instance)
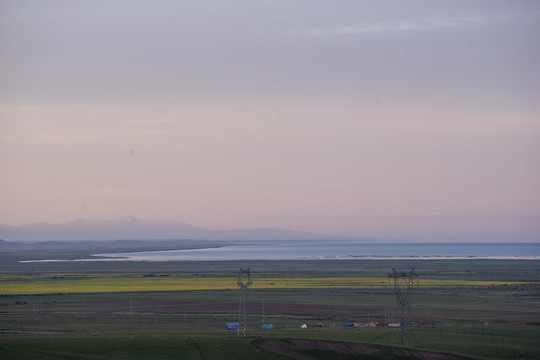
(121, 346)
(221, 345)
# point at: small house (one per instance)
(305, 326)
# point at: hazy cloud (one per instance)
(406, 25)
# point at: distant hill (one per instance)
(138, 229)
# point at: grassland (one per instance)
(169, 310)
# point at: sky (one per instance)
(415, 120)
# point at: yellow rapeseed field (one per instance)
(96, 283)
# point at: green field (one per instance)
(28, 284)
(171, 310)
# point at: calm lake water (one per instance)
(312, 250)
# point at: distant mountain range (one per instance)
(131, 228)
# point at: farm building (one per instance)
(305, 326)
(366, 324)
(363, 324)
(430, 323)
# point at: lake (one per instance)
(337, 249)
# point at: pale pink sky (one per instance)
(402, 119)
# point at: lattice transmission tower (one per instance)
(244, 281)
(404, 283)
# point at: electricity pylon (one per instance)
(244, 281)
(403, 283)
